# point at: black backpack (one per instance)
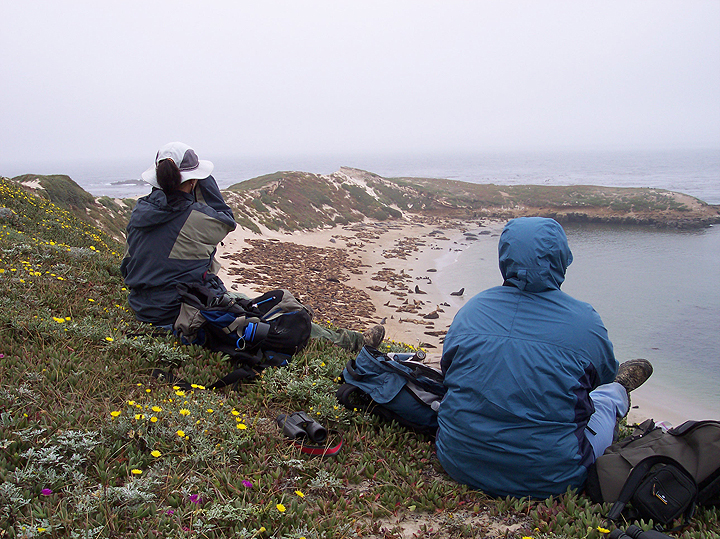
(394, 387)
(255, 333)
(661, 474)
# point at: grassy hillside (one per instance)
(92, 446)
(300, 200)
(63, 192)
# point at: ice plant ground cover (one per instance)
(92, 446)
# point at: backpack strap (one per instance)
(320, 450)
(244, 372)
(709, 489)
(241, 374)
(167, 377)
(239, 322)
(636, 476)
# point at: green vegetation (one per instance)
(92, 446)
(64, 193)
(300, 200)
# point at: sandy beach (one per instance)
(363, 274)
(392, 264)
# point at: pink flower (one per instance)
(247, 483)
(46, 491)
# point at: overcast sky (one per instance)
(109, 79)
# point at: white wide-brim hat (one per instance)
(191, 168)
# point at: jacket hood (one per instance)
(156, 208)
(534, 254)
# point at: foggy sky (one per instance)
(96, 80)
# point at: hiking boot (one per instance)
(374, 336)
(633, 373)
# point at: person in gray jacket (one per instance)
(172, 238)
(173, 233)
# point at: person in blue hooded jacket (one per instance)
(533, 387)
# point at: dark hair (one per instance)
(168, 175)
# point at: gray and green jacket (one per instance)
(170, 240)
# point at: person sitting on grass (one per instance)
(534, 391)
(172, 238)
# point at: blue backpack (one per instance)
(396, 388)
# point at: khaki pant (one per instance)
(351, 341)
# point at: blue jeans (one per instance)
(611, 402)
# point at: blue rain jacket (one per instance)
(172, 239)
(520, 361)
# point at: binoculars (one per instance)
(299, 425)
(637, 533)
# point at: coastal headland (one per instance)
(304, 201)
